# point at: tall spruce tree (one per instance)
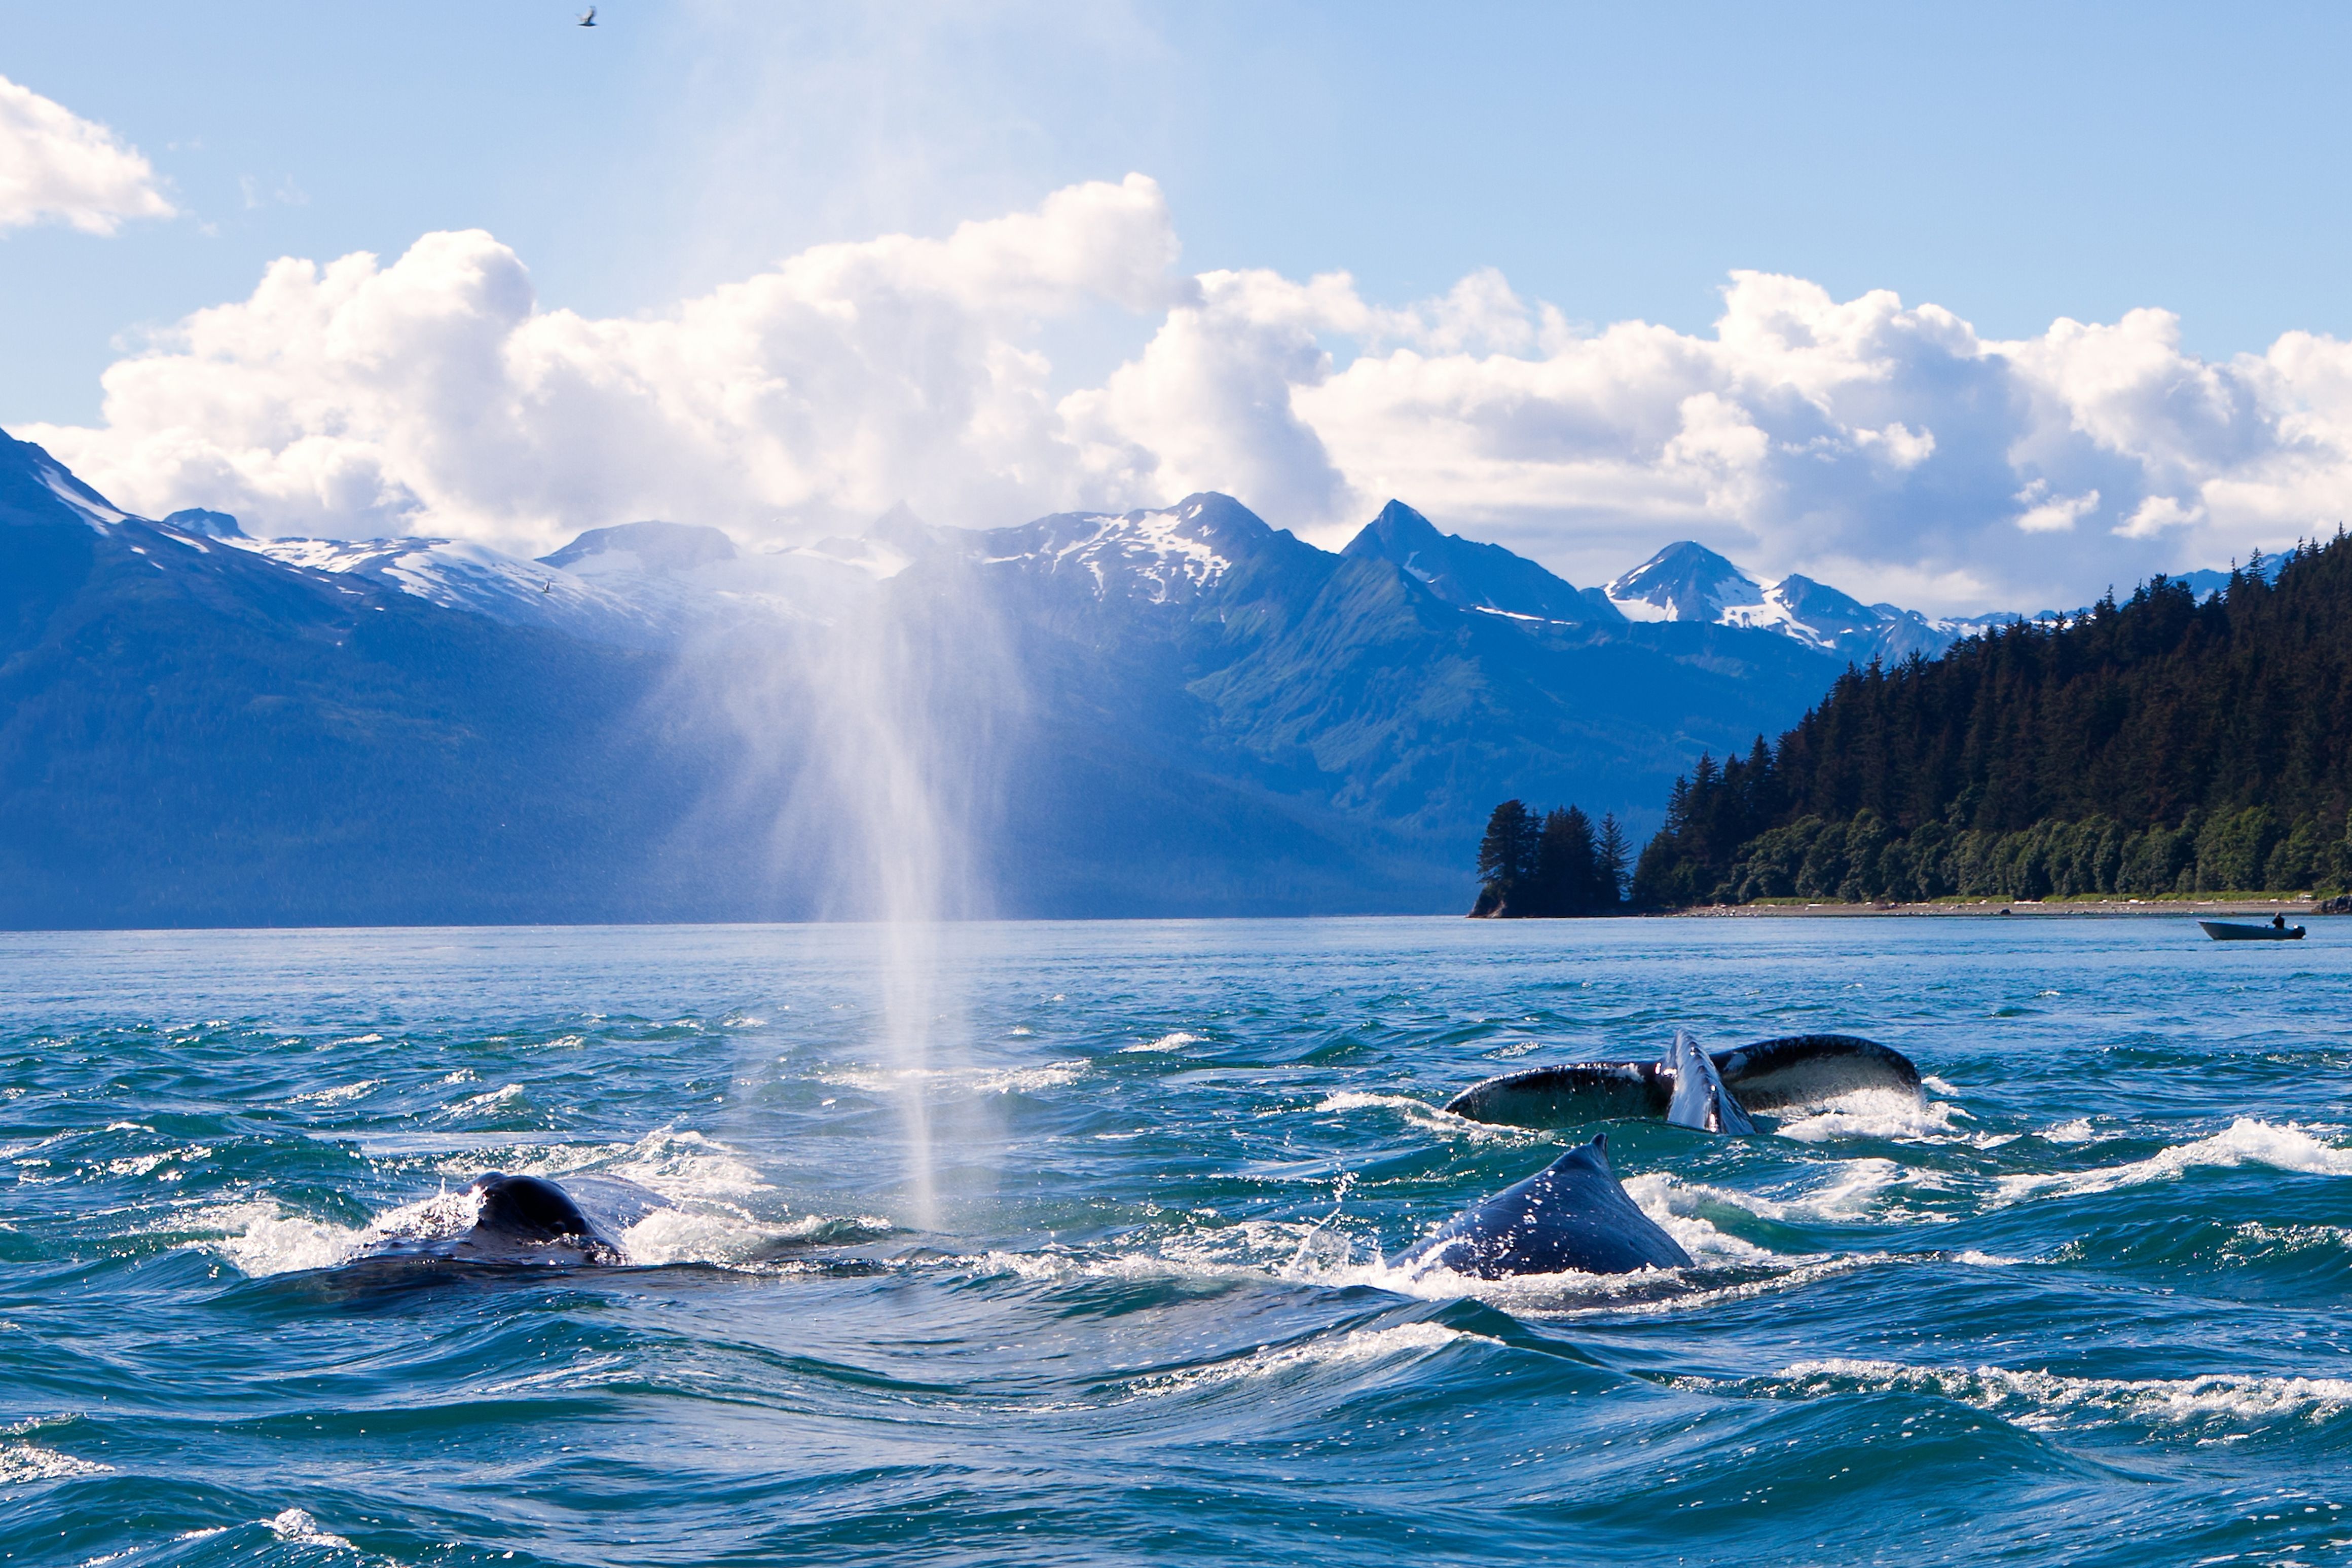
(1615, 856)
(1507, 858)
(1567, 872)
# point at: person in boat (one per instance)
(2278, 922)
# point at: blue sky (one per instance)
(2010, 164)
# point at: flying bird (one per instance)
(590, 19)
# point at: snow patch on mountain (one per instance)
(459, 575)
(1688, 581)
(1158, 556)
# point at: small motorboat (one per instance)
(2230, 931)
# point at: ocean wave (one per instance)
(297, 1526)
(1357, 1347)
(337, 1097)
(2245, 1142)
(22, 1463)
(1428, 1117)
(969, 1080)
(2044, 1400)
(499, 1099)
(1178, 1040)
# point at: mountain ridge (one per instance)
(1172, 710)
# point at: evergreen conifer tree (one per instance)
(1507, 858)
(1615, 857)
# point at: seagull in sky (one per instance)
(590, 19)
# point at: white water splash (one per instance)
(1175, 1042)
(1428, 1117)
(2245, 1142)
(1357, 1347)
(297, 1525)
(22, 1463)
(1877, 1114)
(2041, 1400)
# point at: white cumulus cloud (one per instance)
(57, 167)
(1885, 447)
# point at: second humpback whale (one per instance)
(1716, 1092)
(1572, 1216)
(529, 1219)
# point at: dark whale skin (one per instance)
(1770, 1076)
(1572, 1216)
(529, 1219)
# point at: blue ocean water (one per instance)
(2089, 1305)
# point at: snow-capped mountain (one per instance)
(1475, 576)
(458, 575)
(1163, 555)
(1688, 581)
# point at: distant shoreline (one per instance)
(1981, 908)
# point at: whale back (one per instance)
(529, 1208)
(1573, 1216)
(527, 1218)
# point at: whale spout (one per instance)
(1571, 1217)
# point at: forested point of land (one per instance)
(1550, 864)
(2162, 746)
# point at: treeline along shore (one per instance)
(2158, 748)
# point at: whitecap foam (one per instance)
(261, 1238)
(971, 1080)
(1847, 1190)
(1175, 1042)
(139, 1164)
(1357, 1347)
(685, 1166)
(2078, 1131)
(1428, 1117)
(2045, 1399)
(22, 1463)
(2245, 1142)
(497, 1098)
(297, 1525)
(1876, 1113)
(730, 1241)
(1674, 1204)
(338, 1096)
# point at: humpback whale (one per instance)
(1572, 1215)
(529, 1219)
(1716, 1092)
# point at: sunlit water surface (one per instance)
(2090, 1305)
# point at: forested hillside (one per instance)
(2159, 746)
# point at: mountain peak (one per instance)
(646, 546)
(1683, 581)
(34, 485)
(204, 524)
(1466, 572)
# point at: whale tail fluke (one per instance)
(1691, 1086)
(1700, 1099)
